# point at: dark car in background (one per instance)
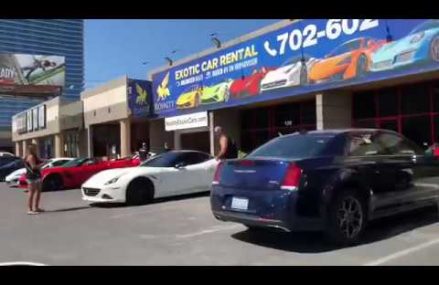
(7, 168)
(334, 181)
(8, 159)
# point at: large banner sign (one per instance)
(139, 92)
(25, 73)
(306, 56)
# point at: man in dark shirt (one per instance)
(228, 149)
(143, 152)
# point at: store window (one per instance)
(415, 99)
(262, 124)
(364, 105)
(417, 129)
(411, 110)
(388, 102)
(71, 143)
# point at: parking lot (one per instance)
(183, 231)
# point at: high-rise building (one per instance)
(63, 37)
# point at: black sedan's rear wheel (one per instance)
(139, 192)
(347, 217)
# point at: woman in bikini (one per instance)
(33, 177)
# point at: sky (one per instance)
(114, 48)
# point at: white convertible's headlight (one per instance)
(112, 181)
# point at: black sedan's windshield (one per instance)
(297, 147)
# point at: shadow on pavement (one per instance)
(181, 197)
(315, 242)
(67, 209)
(156, 201)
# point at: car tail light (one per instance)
(292, 178)
(217, 176)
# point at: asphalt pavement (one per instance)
(182, 231)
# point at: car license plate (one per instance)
(239, 203)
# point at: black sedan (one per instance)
(332, 180)
(8, 168)
(8, 159)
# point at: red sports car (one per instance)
(74, 173)
(249, 85)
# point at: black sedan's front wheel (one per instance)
(347, 217)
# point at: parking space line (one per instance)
(208, 231)
(21, 263)
(148, 211)
(402, 253)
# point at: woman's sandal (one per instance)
(32, 212)
(40, 211)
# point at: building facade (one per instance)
(115, 117)
(62, 37)
(303, 75)
(56, 126)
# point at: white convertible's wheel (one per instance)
(139, 192)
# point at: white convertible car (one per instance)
(168, 174)
(291, 73)
(13, 178)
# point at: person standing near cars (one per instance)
(33, 176)
(166, 147)
(143, 152)
(228, 149)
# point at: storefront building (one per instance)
(115, 117)
(303, 75)
(56, 126)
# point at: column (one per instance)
(24, 144)
(18, 149)
(35, 142)
(125, 137)
(90, 141)
(334, 110)
(211, 133)
(59, 145)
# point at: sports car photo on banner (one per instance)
(248, 85)
(216, 93)
(349, 60)
(191, 98)
(420, 46)
(291, 73)
(168, 174)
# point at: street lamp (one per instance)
(169, 60)
(389, 37)
(215, 40)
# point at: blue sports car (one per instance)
(420, 46)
